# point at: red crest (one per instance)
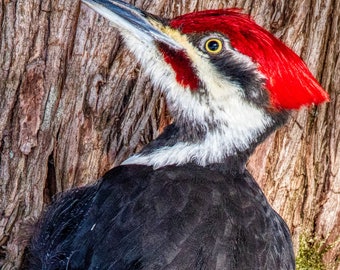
(289, 81)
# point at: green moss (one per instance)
(311, 251)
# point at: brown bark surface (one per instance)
(74, 102)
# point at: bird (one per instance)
(187, 200)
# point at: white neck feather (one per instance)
(215, 147)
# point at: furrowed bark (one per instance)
(74, 103)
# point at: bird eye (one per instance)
(213, 46)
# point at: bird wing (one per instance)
(184, 217)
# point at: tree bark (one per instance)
(74, 103)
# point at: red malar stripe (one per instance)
(181, 64)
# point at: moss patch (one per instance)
(311, 251)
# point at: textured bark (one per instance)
(73, 103)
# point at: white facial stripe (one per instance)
(164, 77)
(238, 122)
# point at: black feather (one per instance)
(176, 217)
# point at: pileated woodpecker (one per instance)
(187, 201)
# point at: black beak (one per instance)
(131, 20)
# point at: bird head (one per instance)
(228, 82)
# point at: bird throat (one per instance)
(213, 147)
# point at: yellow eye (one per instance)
(214, 46)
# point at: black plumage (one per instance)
(186, 200)
(175, 217)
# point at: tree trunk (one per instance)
(73, 103)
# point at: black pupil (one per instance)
(213, 45)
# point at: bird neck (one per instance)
(179, 144)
